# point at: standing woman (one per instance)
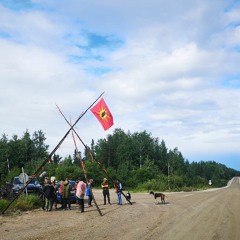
(89, 192)
(105, 188)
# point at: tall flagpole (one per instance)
(50, 155)
(81, 162)
(89, 151)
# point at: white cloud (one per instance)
(175, 75)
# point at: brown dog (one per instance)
(159, 195)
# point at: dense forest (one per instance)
(141, 161)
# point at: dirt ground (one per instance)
(212, 214)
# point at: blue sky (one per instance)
(168, 67)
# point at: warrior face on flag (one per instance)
(102, 113)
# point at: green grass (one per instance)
(23, 203)
(3, 204)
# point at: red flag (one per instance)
(102, 113)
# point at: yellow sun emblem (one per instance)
(103, 114)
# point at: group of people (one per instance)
(81, 189)
(50, 191)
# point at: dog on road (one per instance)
(128, 197)
(159, 195)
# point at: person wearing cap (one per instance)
(89, 192)
(105, 188)
(80, 193)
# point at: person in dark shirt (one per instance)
(54, 196)
(105, 188)
(48, 192)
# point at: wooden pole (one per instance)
(89, 151)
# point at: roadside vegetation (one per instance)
(140, 160)
(23, 203)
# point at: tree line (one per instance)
(141, 161)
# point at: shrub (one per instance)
(25, 203)
(3, 204)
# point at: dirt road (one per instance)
(212, 214)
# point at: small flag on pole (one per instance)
(102, 113)
(8, 165)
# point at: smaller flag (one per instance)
(102, 113)
(8, 165)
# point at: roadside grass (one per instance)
(23, 203)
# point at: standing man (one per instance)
(118, 190)
(54, 197)
(48, 191)
(105, 188)
(80, 193)
(89, 192)
(66, 192)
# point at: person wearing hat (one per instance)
(105, 188)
